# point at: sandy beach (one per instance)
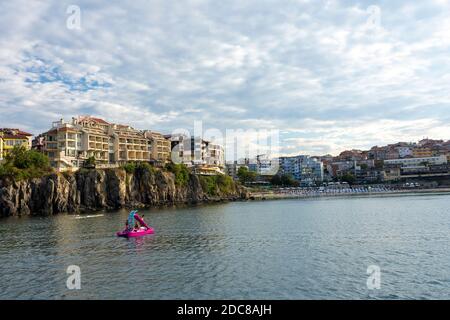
(300, 194)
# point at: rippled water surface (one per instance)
(290, 249)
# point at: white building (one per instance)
(303, 168)
(404, 152)
(412, 162)
(267, 166)
(204, 155)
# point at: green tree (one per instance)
(21, 163)
(214, 185)
(349, 178)
(129, 167)
(180, 171)
(276, 180)
(22, 158)
(284, 180)
(245, 175)
(90, 162)
(288, 180)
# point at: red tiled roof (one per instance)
(51, 131)
(98, 120)
(14, 132)
(25, 133)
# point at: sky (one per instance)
(328, 75)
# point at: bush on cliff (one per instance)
(181, 173)
(131, 167)
(90, 163)
(245, 175)
(21, 163)
(215, 185)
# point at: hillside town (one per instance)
(89, 141)
(426, 160)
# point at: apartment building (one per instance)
(266, 165)
(422, 152)
(303, 168)
(413, 162)
(204, 156)
(62, 145)
(69, 144)
(9, 138)
(352, 155)
(404, 152)
(128, 144)
(215, 155)
(377, 153)
(160, 147)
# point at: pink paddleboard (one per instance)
(145, 229)
(131, 234)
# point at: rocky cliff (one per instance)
(88, 190)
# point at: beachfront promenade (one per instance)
(281, 193)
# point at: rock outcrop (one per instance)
(88, 190)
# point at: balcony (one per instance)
(123, 155)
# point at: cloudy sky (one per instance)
(330, 75)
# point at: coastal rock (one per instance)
(99, 189)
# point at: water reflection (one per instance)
(257, 250)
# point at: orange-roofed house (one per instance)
(9, 138)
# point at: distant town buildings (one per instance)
(413, 162)
(307, 170)
(400, 161)
(9, 138)
(386, 163)
(69, 144)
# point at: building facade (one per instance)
(414, 162)
(9, 138)
(160, 147)
(307, 170)
(405, 152)
(69, 144)
(203, 156)
(232, 168)
(422, 152)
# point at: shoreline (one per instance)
(261, 196)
